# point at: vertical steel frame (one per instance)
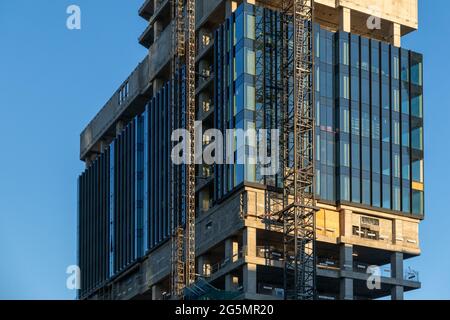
(183, 238)
(296, 214)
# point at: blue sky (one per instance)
(53, 81)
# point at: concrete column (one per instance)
(346, 223)
(249, 242)
(156, 292)
(119, 127)
(396, 35)
(346, 264)
(157, 29)
(397, 293)
(203, 199)
(231, 282)
(397, 273)
(249, 279)
(249, 270)
(230, 7)
(203, 266)
(345, 22)
(157, 84)
(231, 250)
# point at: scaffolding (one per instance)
(183, 237)
(293, 209)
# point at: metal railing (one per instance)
(270, 290)
(210, 269)
(272, 253)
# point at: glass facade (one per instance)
(381, 159)
(123, 196)
(369, 138)
(235, 98)
(368, 105)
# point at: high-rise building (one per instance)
(368, 153)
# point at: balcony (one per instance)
(124, 106)
(147, 37)
(127, 97)
(205, 46)
(160, 18)
(147, 9)
(213, 270)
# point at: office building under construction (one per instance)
(338, 217)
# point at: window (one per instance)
(355, 51)
(345, 188)
(344, 86)
(417, 138)
(249, 97)
(395, 99)
(395, 64)
(356, 186)
(385, 60)
(355, 88)
(375, 57)
(396, 132)
(365, 54)
(416, 69)
(355, 155)
(344, 52)
(250, 62)
(386, 162)
(375, 93)
(124, 92)
(417, 171)
(405, 97)
(396, 165)
(365, 91)
(376, 191)
(376, 155)
(386, 128)
(375, 124)
(355, 122)
(406, 194)
(417, 202)
(345, 154)
(366, 157)
(396, 198)
(405, 65)
(385, 96)
(365, 122)
(386, 193)
(417, 105)
(250, 26)
(239, 27)
(405, 131)
(366, 191)
(344, 119)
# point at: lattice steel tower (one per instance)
(183, 237)
(294, 210)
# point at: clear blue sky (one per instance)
(53, 81)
